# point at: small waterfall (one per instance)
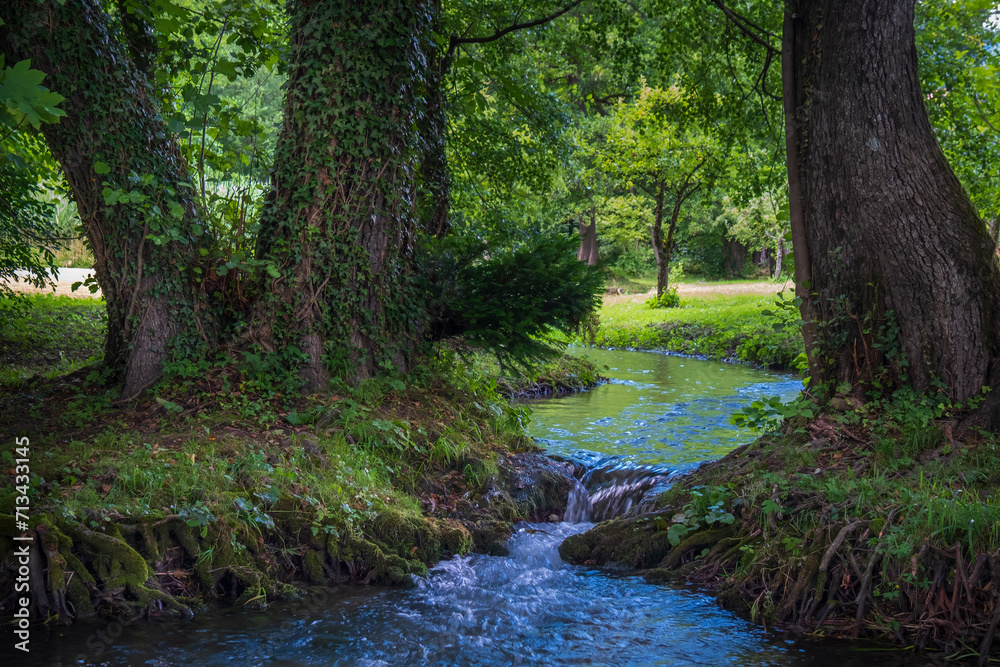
(578, 507)
(614, 491)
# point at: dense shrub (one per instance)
(508, 301)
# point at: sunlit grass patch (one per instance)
(56, 335)
(730, 327)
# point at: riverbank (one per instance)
(876, 524)
(727, 322)
(220, 484)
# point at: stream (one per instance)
(658, 416)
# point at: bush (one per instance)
(508, 301)
(669, 299)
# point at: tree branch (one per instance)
(975, 100)
(748, 27)
(455, 40)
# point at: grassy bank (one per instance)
(869, 523)
(730, 327)
(222, 484)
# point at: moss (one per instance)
(620, 541)
(490, 536)
(700, 539)
(455, 537)
(313, 562)
(78, 595)
(659, 575)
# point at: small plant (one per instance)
(669, 299)
(768, 413)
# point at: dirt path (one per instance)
(69, 276)
(63, 285)
(709, 289)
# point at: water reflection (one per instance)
(656, 410)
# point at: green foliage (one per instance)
(707, 506)
(25, 219)
(510, 303)
(23, 98)
(767, 414)
(958, 72)
(669, 299)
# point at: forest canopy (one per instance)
(335, 184)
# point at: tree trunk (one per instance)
(735, 257)
(892, 238)
(141, 221)
(659, 251)
(339, 227)
(778, 256)
(435, 195)
(588, 241)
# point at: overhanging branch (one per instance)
(749, 28)
(455, 41)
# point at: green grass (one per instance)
(728, 327)
(56, 335)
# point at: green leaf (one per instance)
(169, 405)
(675, 533)
(101, 168)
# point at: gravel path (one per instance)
(709, 289)
(63, 284)
(69, 276)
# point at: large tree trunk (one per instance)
(339, 227)
(140, 217)
(888, 234)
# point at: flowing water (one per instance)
(658, 416)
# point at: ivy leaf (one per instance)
(101, 168)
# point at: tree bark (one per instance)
(339, 227)
(589, 252)
(659, 252)
(434, 200)
(113, 123)
(891, 238)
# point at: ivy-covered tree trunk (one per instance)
(127, 175)
(338, 230)
(901, 271)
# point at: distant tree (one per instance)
(655, 144)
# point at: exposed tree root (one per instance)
(162, 565)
